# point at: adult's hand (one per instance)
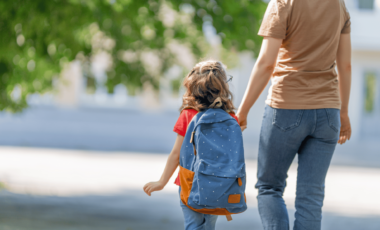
(242, 121)
(345, 129)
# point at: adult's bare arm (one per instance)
(260, 75)
(343, 60)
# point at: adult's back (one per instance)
(307, 105)
(305, 77)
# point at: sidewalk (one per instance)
(71, 189)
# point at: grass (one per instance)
(2, 186)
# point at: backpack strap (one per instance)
(192, 133)
(229, 218)
(192, 141)
(192, 137)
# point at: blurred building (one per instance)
(365, 96)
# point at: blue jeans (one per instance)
(197, 221)
(313, 134)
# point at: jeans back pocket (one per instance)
(287, 119)
(333, 116)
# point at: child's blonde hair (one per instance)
(205, 83)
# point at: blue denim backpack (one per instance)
(212, 167)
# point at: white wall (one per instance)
(365, 26)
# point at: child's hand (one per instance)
(153, 186)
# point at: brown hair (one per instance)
(206, 87)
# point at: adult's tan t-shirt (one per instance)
(305, 76)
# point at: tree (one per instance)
(38, 37)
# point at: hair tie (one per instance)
(217, 103)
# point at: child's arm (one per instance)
(171, 166)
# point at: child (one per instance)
(206, 87)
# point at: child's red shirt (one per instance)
(183, 121)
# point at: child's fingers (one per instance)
(151, 187)
(149, 191)
(146, 189)
(145, 186)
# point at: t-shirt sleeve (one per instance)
(183, 121)
(275, 21)
(347, 25)
(234, 116)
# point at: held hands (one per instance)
(345, 128)
(153, 186)
(242, 121)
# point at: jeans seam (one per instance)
(329, 121)
(315, 121)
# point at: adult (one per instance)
(306, 109)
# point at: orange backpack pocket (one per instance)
(186, 178)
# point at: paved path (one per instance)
(70, 189)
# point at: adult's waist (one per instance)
(304, 89)
(305, 78)
(283, 69)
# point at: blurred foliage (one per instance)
(141, 37)
(2, 186)
(370, 92)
